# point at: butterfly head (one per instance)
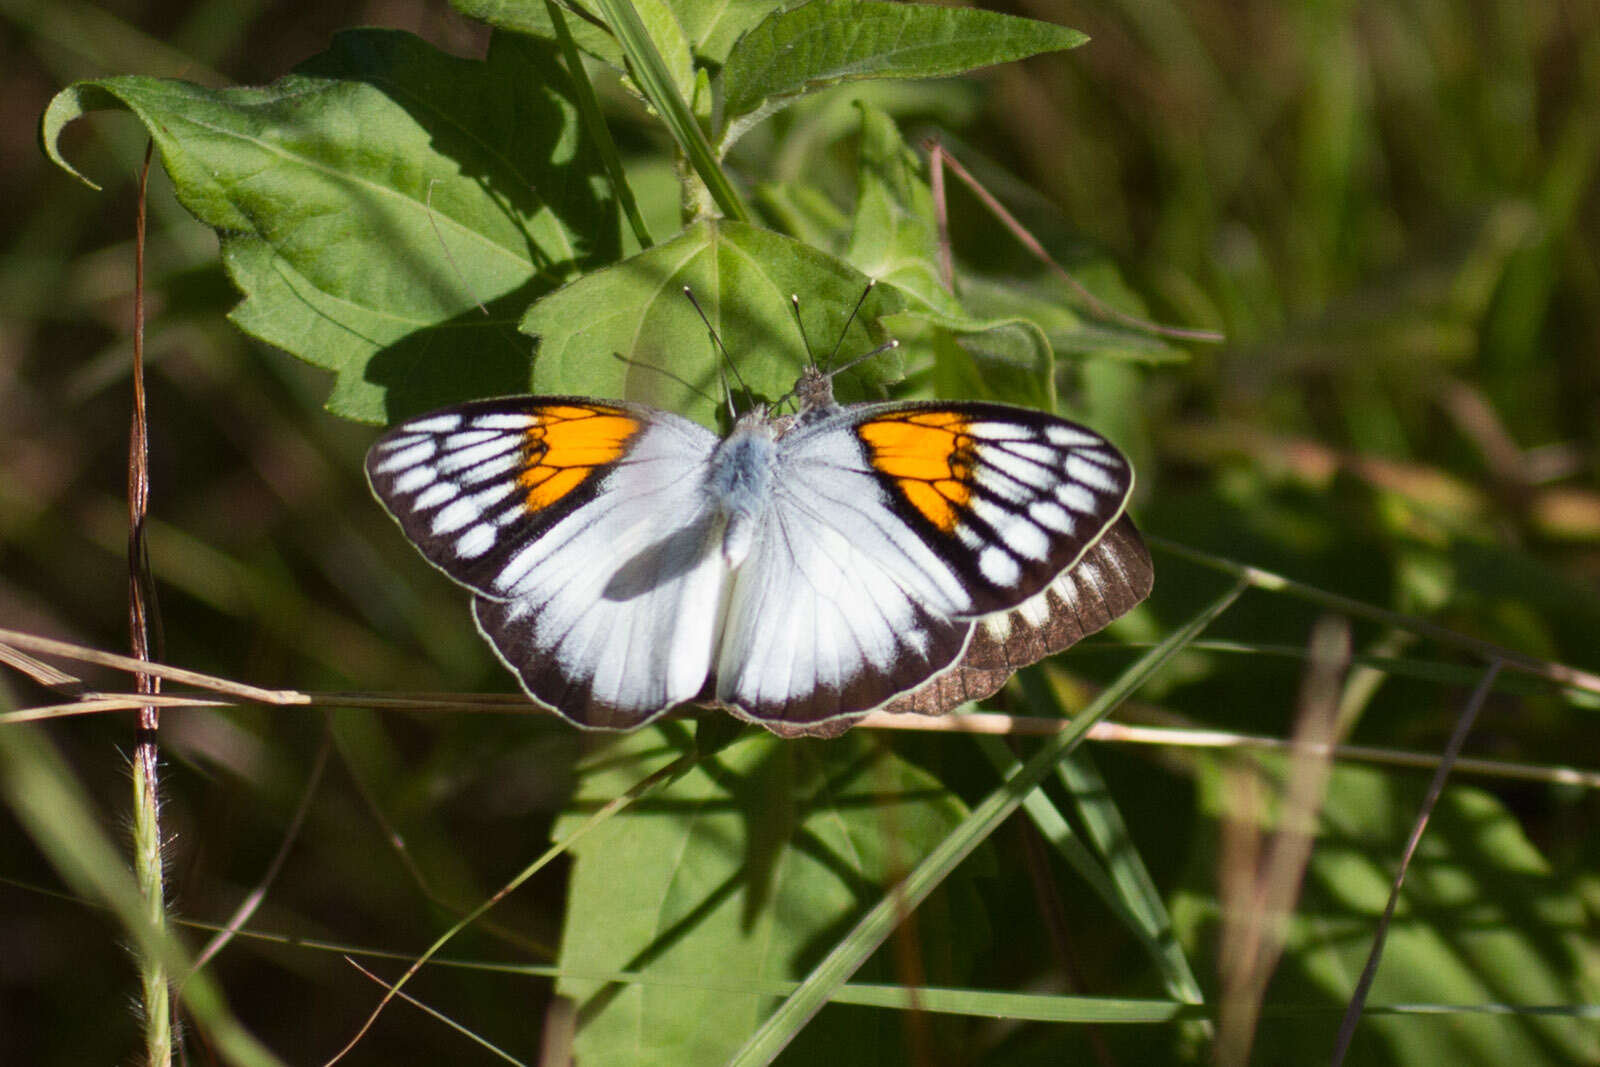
(814, 390)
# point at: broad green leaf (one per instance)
(743, 872)
(894, 236)
(371, 202)
(743, 277)
(648, 40)
(1482, 920)
(532, 18)
(709, 30)
(804, 212)
(829, 41)
(713, 28)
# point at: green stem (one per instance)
(655, 81)
(153, 976)
(594, 121)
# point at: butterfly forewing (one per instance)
(1009, 498)
(582, 527)
(470, 484)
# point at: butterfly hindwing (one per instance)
(1110, 580)
(896, 532)
(835, 611)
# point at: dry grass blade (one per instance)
(1559, 673)
(938, 159)
(40, 671)
(977, 722)
(1394, 757)
(100, 703)
(1260, 879)
(1469, 714)
(48, 646)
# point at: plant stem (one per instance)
(153, 975)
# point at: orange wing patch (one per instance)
(930, 456)
(564, 446)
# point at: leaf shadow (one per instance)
(776, 797)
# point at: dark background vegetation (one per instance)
(1389, 207)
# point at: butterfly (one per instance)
(800, 572)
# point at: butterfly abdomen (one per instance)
(740, 480)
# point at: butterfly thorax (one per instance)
(739, 480)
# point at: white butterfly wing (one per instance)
(838, 606)
(894, 529)
(585, 531)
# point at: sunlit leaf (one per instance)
(371, 202)
(830, 41)
(743, 278)
(1481, 920)
(894, 237)
(745, 870)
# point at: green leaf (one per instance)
(743, 277)
(1049, 302)
(846, 957)
(830, 41)
(803, 211)
(650, 40)
(709, 29)
(714, 28)
(743, 871)
(530, 17)
(894, 237)
(667, 34)
(1482, 920)
(369, 203)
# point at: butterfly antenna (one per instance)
(794, 306)
(727, 357)
(445, 248)
(866, 292)
(887, 346)
(808, 382)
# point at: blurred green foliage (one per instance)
(1391, 210)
